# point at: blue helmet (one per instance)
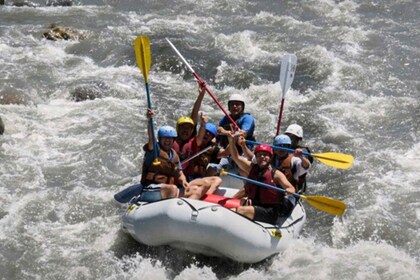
(282, 139)
(211, 127)
(167, 131)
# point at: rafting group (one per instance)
(186, 162)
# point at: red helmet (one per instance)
(264, 148)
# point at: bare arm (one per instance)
(242, 162)
(150, 115)
(202, 131)
(248, 153)
(305, 161)
(182, 179)
(280, 179)
(198, 101)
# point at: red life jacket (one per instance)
(260, 195)
(166, 172)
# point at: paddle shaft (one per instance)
(325, 204)
(280, 116)
(196, 155)
(198, 78)
(152, 129)
(276, 147)
(260, 183)
(337, 160)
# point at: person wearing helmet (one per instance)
(262, 204)
(197, 167)
(295, 132)
(186, 126)
(208, 152)
(245, 121)
(293, 165)
(185, 129)
(160, 180)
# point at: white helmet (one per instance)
(295, 129)
(237, 97)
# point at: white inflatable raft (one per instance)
(210, 229)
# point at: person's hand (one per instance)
(149, 113)
(245, 202)
(242, 141)
(298, 153)
(204, 119)
(201, 87)
(185, 184)
(290, 190)
(222, 131)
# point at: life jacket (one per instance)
(286, 168)
(178, 148)
(198, 166)
(166, 172)
(260, 195)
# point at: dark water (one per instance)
(356, 91)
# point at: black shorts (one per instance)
(266, 214)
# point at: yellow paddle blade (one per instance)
(326, 204)
(143, 56)
(342, 161)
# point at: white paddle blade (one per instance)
(287, 72)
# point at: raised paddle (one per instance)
(338, 160)
(144, 59)
(201, 82)
(326, 204)
(287, 73)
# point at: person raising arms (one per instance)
(186, 126)
(196, 170)
(166, 179)
(262, 204)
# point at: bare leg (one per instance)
(214, 183)
(201, 186)
(193, 191)
(247, 211)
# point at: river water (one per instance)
(356, 91)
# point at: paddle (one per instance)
(338, 160)
(287, 73)
(144, 59)
(128, 193)
(201, 82)
(196, 155)
(326, 204)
